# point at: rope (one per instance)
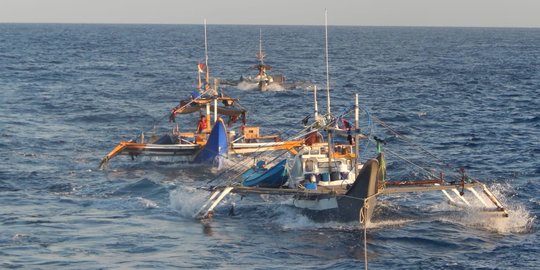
(410, 162)
(363, 219)
(403, 138)
(316, 126)
(406, 139)
(256, 155)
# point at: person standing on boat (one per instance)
(202, 125)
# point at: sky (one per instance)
(473, 13)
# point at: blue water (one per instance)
(69, 93)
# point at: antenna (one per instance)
(327, 66)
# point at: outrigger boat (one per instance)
(210, 142)
(263, 81)
(328, 183)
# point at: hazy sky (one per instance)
(505, 13)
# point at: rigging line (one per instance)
(364, 213)
(237, 166)
(229, 181)
(410, 162)
(370, 127)
(241, 164)
(406, 139)
(311, 128)
(185, 105)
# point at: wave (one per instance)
(519, 220)
(187, 200)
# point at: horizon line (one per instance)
(243, 24)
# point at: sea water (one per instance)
(69, 93)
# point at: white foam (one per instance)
(519, 219)
(187, 201)
(148, 203)
(290, 219)
(247, 86)
(274, 87)
(388, 223)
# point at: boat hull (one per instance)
(273, 178)
(344, 207)
(216, 147)
(186, 150)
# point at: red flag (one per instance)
(201, 67)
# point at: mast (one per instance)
(329, 116)
(207, 78)
(327, 65)
(315, 103)
(356, 136)
(260, 55)
(199, 81)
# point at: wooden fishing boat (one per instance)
(206, 138)
(263, 81)
(186, 145)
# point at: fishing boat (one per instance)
(327, 181)
(204, 137)
(204, 141)
(263, 81)
(259, 176)
(327, 184)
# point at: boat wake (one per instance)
(147, 203)
(289, 218)
(187, 200)
(519, 220)
(282, 214)
(248, 86)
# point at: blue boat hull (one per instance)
(216, 147)
(272, 178)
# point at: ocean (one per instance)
(69, 93)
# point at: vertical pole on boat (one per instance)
(207, 78)
(327, 65)
(215, 110)
(329, 131)
(199, 81)
(208, 115)
(315, 103)
(261, 54)
(356, 131)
